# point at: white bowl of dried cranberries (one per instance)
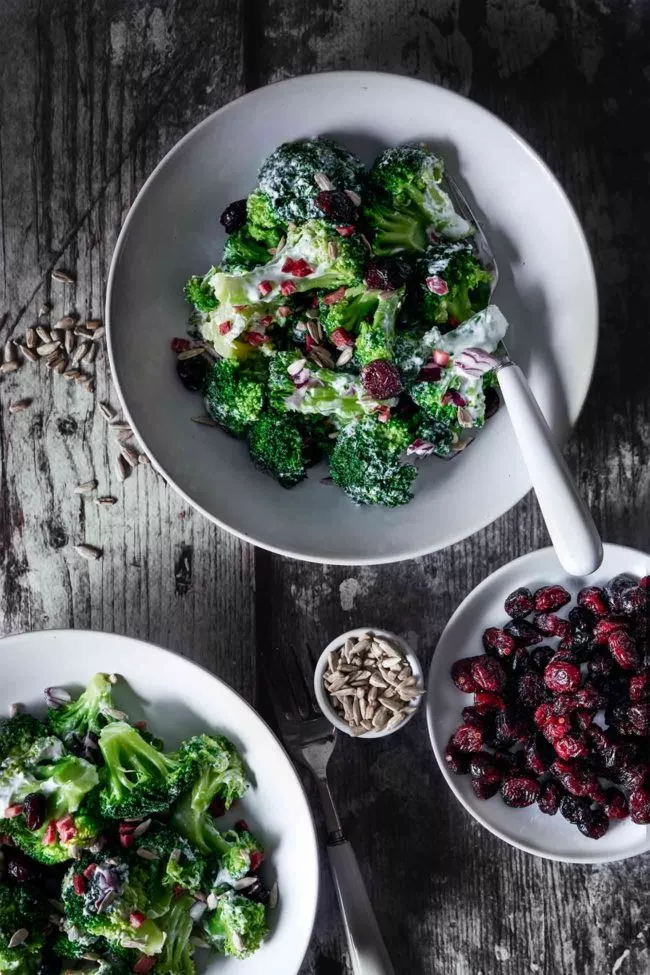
(539, 706)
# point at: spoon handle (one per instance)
(573, 533)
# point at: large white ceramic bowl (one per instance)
(546, 289)
(178, 699)
(528, 829)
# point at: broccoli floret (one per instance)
(314, 256)
(219, 769)
(21, 908)
(62, 834)
(408, 179)
(237, 926)
(232, 848)
(138, 779)
(176, 957)
(359, 303)
(276, 446)
(429, 397)
(89, 713)
(199, 293)
(412, 349)
(264, 225)
(234, 392)
(317, 392)
(242, 252)
(365, 462)
(101, 904)
(288, 177)
(394, 230)
(376, 339)
(178, 863)
(453, 284)
(18, 734)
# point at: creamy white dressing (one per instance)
(272, 272)
(14, 787)
(482, 331)
(444, 218)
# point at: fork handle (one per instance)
(367, 949)
(573, 533)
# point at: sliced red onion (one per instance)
(302, 377)
(421, 448)
(453, 396)
(475, 362)
(296, 367)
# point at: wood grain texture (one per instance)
(91, 96)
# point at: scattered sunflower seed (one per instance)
(10, 351)
(122, 469)
(332, 250)
(45, 308)
(98, 333)
(345, 356)
(19, 405)
(130, 455)
(15, 709)
(106, 500)
(31, 338)
(60, 365)
(10, 366)
(147, 854)
(48, 348)
(207, 421)
(93, 324)
(80, 351)
(43, 333)
(107, 900)
(86, 488)
(107, 411)
(354, 197)
(89, 385)
(89, 552)
(91, 354)
(69, 341)
(366, 243)
(28, 353)
(67, 322)
(71, 374)
(321, 357)
(315, 330)
(312, 313)
(190, 353)
(18, 937)
(144, 459)
(124, 435)
(60, 275)
(57, 334)
(142, 828)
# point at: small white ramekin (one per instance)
(323, 697)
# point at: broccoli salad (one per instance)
(114, 854)
(349, 319)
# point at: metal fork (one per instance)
(310, 739)
(568, 519)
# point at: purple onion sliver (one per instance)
(421, 448)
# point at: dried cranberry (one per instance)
(520, 662)
(524, 632)
(571, 746)
(582, 619)
(486, 701)
(461, 674)
(497, 639)
(518, 791)
(483, 789)
(600, 663)
(386, 273)
(337, 206)
(468, 738)
(519, 603)
(616, 805)
(549, 599)
(241, 826)
(234, 216)
(634, 600)
(192, 372)
(603, 628)
(616, 589)
(381, 379)
(530, 689)
(590, 698)
(472, 715)
(512, 726)
(217, 807)
(550, 797)
(20, 868)
(551, 625)
(630, 774)
(624, 650)
(557, 726)
(632, 719)
(640, 688)
(574, 809)
(594, 823)
(488, 673)
(593, 599)
(539, 756)
(575, 778)
(539, 657)
(543, 714)
(341, 338)
(455, 760)
(640, 805)
(485, 767)
(179, 345)
(583, 719)
(564, 704)
(600, 739)
(492, 402)
(34, 810)
(562, 677)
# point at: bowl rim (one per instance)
(323, 699)
(473, 525)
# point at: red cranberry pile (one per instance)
(566, 726)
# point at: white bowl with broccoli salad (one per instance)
(346, 320)
(155, 810)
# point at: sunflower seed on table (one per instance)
(31, 338)
(60, 365)
(80, 351)
(60, 275)
(90, 552)
(10, 351)
(124, 435)
(67, 322)
(28, 353)
(19, 405)
(71, 374)
(130, 455)
(107, 411)
(93, 324)
(43, 333)
(98, 334)
(144, 459)
(12, 366)
(45, 309)
(273, 896)
(122, 469)
(86, 488)
(89, 385)
(204, 420)
(57, 334)
(91, 354)
(106, 500)
(69, 341)
(81, 378)
(47, 348)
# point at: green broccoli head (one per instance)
(237, 926)
(18, 734)
(314, 256)
(138, 779)
(199, 293)
(376, 338)
(292, 176)
(234, 392)
(300, 386)
(102, 900)
(178, 863)
(242, 252)
(453, 284)
(408, 178)
(88, 714)
(276, 446)
(232, 850)
(264, 224)
(61, 836)
(21, 911)
(365, 462)
(176, 957)
(393, 230)
(348, 314)
(218, 770)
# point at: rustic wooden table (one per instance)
(92, 95)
